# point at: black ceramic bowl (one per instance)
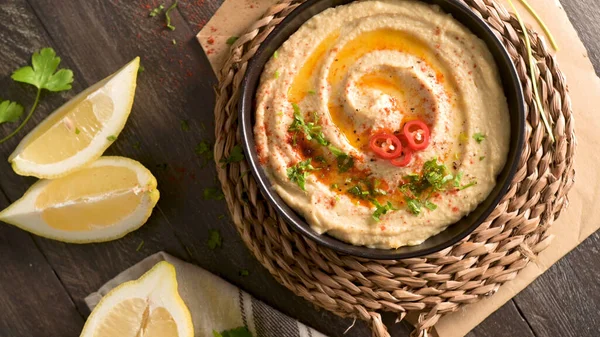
(455, 232)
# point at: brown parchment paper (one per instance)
(577, 222)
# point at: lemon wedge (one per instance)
(78, 132)
(149, 306)
(103, 201)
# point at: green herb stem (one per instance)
(542, 24)
(168, 16)
(532, 72)
(35, 104)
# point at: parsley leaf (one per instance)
(311, 92)
(237, 332)
(168, 16)
(244, 272)
(276, 75)
(231, 40)
(479, 137)
(10, 111)
(213, 193)
(214, 239)
(235, 156)
(275, 54)
(43, 75)
(155, 11)
(481, 158)
(299, 172)
(382, 210)
(111, 138)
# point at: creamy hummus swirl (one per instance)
(370, 67)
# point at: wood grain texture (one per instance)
(566, 298)
(95, 38)
(33, 302)
(585, 17)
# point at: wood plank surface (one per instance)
(95, 38)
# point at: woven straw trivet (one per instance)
(432, 285)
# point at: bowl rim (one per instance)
(245, 110)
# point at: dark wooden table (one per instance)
(43, 282)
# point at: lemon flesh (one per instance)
(106, 200)
(150, 306)
(81, 130)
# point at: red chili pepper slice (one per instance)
(406, 155)
(417, 134)
(385, 145)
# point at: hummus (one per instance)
(358, 70)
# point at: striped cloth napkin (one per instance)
(214, 303)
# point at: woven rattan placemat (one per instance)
(431, 285)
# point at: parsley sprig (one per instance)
(43, 75)
(312, 131)
(299, 172)
(434, 177)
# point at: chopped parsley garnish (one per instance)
(276, 75)
(235, 156)
(481, 158)
(231, 40)
(77, 131)
(185, 125)
(430, 205)
(479, 137)
(111, 138)
(435, 177)
(299, 172)
(237, 332)
(213, 193)
(139, 247)
(204, 149)
(313, 131)
(413, 205)
(311, 92)
(155, 11)
(214, 239)
(381, 209)
(334, 186)
(168, 15)
(244, 272)
(275, 54)
(141, 69)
